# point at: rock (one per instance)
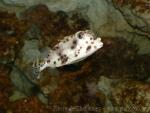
(117, 59)
(17, 96)
(22, 73)
(25, 86)
(125, 95)
(21, 2)
(136, 15)
(108, 18)
(10, 31)
(30, 51)
(35, 48)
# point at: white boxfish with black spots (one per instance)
(71, 49)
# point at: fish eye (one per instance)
(80, 35)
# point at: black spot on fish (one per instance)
(63, 58)
(88, 48)
(64, 41)
(72, 47)
(75, 55)
(56, 47)
(48, 61)
(67, 39)
(59, 54)
(74, 42)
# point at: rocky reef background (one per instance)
(115, 79)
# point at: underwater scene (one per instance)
(74, 56)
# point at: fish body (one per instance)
(72, 49)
